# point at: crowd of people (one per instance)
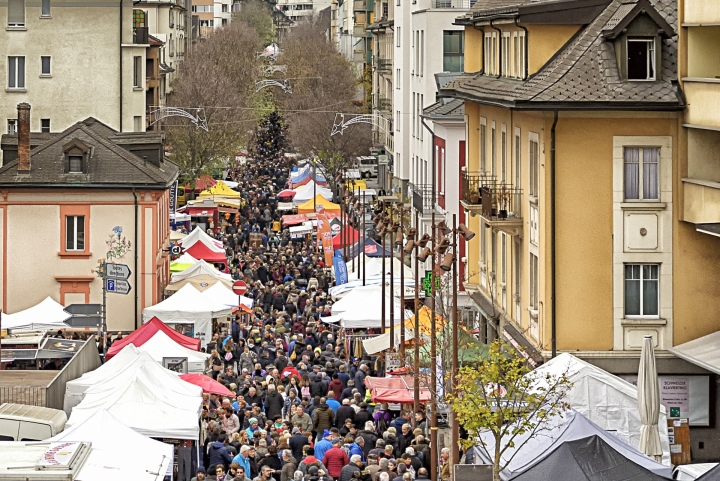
(300, 410)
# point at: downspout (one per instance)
(525, 73)
(499, 59)
(121, 79)
(135, 266)
(553, 198)
(434, 160)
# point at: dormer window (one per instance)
(76, 156)
(641, 58)
(75, 164)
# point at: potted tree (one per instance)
(503, 201)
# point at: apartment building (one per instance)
(106, 81)
(354, 40)
(426, 42)
(383, 89)
(209, 15)
(586, 207)
(302, 10)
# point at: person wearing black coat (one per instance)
(297, 442)
(362, 416)
(345, 412)
(318, 387)
(273, 403)
(271, 459)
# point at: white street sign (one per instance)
(118, 286)
(118, 271)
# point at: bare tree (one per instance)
(323, 84)
(218, 76)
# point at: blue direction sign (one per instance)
(117, 286)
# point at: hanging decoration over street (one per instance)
(271, 52)
(271, 69)
(196, 115)
(283, 84)
(340, 124)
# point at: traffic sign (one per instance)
(176, 250)
(239, 288)
(118, 271)
(117, 286)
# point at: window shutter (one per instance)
(16, 12)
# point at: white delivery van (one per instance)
(368, 166)
(19, 422)
(48, 461)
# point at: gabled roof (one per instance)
(584, 73)
(628, 12)
(109, 164)
(454, 109)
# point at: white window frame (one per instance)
(517, 164)
(398, 36)
(534, 284)
(17, 25)
(534, 165)
(651, 58)
(641, 179)
(49, 73)
(642, 281)
(45, 9)
(534, 224)
(71, 236)
(493, 149)
(505, 54)
(483, 254)
(483, 144)
(503, 154)
(137, 72)
(16, 80)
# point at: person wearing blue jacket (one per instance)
(218, 454)
(324, 444)
(357, 448)
(243, 459)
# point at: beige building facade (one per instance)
(582, 177)
(94, 66)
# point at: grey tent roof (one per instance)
(590, 459)
(712, 475)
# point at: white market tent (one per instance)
(118, 452)
(362, 309)
(342, 290)
(199, 235)
(305, 192)
(189, 306)
(702, 352)
(185, 259)
(144, 407)
(373, 267)
(569, 426)
(47, 315)
(161, 345)
(128, 358)
(219, 293)
(605, 399)
(199, 268)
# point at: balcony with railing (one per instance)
(383, 64)
(472, 182)
(423, 198)
(502, 207)
(383, 131)
(141, 35)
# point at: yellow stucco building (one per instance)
(580, 186)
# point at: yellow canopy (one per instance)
(220, 189)
(309, 206)
(354, 185)
(424, 324)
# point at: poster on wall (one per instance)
(675, 395)
(690, 395)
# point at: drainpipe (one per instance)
(553, 315)
(500, 72)
(525, 73)
(121, 72)
(135, 267)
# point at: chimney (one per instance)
(23, 130)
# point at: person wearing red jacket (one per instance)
(335, 459)
(336, 387)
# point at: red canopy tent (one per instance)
(394, 389)
(145, 332)
(348, 235)
(294, 219)
(207, 384)
(201, 251)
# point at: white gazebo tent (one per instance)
(373, 267)
(118, 452)
(199, 235)
(306, 192)
(605, 399)
(161, 346)
(219, 293)
(144, 407)
(199, 268)
(47, 315)
(362, 309)
(189, 306)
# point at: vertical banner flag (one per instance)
(341, 274)
(324, 235)
(173, 197)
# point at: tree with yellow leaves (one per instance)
(501, 395)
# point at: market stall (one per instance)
(362, 309)
(319, 201)
(309, 191)
(47, 315)
(119, 453)
(145, 332)
(201, 246)
(182, 263)
(189, 307)
(396, 389)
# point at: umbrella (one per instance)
(207, 384)
(649, 402)
(287, 193)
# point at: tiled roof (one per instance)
(455, 108)
(583, 72)
(109, 164)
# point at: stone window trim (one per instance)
(72, 209)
